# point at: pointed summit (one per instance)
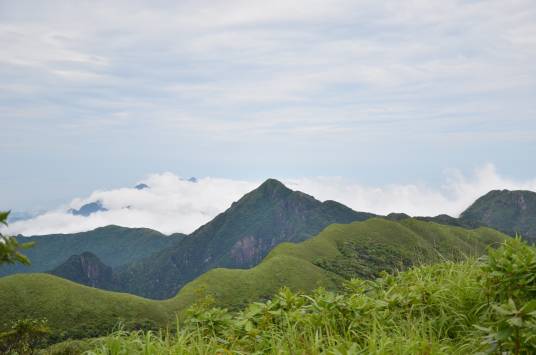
(271, 188)
(238, 238)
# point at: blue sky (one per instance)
(99, 94)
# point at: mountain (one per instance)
(89, 209)
(339, 252)
(85, 269)
(512, 212)
(237, 238)
(113, 245)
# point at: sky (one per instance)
(99, 95)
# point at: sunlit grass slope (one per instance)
(74, 310)
(478, 306)
(340, 252)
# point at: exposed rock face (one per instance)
(85, 269)
(246, 250)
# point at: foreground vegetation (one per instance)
(482, 306)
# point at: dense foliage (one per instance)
(10, 247)
(486, 306)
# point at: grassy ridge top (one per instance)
(340, 252)
(74, 309)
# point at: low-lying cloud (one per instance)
(172, 204)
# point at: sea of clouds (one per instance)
(173, 204)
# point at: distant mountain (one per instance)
(512, 212)
(113, 245)
(88, 209)
(85, 269)
(141, 186)
(339, 252)
(237, 238)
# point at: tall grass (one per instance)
(448, 308)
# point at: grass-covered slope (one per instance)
(473, 307)
(341, 251)
(113, 245)
(240, 237)
(338, 253)
(73, 310)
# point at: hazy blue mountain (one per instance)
(88, 209)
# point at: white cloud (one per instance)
(172, 204)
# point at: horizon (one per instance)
(97, 96)
(172, 204)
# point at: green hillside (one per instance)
(338, 253)
(484, 306)
(359, 249)
(237, 238)
(113, 245)
(73, 310)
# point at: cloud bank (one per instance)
(173, 204)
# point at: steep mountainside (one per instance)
(85, 269)
(340, 252)
(238, 238)
(112, 244)
(508, 211)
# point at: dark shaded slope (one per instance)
(512, 212)
(85, 269)
(237, 238)
(112, 244)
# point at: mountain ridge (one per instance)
(237, 238)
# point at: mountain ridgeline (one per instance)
(147, 263)
(237, 238)
(113, 245)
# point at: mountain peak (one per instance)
(508, 211)
(272, 184)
